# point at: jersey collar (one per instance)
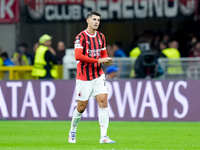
(91, 34)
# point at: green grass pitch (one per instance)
(53, 135)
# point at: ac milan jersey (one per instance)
(92, 46)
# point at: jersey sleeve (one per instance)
(104, 53)
(79, 42)
(79, 46)
(80, 57)
(104, 42)
(103, 50)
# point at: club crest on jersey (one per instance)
(99, 42)
(88, 42)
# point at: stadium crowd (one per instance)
(182, 43)
(187, 43)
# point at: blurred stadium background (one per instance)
(172, 98)
(122, 21)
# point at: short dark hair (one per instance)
(93, 13)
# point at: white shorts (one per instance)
(87, 89)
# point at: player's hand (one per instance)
(106, 61)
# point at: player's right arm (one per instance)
(83, 58)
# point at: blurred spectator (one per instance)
(118, 52)
(51, 49)
(1, 60)
(17, 60)
(110, 50)
(190, 44)
(162, 45)
(193, 41)
(174, 44)
(117, 48)
(45, 58)
(28, 58)
(1, 64)
(173, 53)
(111, 72)
(135, 52)
(6, 62)
(35, 46)
(195, 50)
(166, 38)
(6, 59)
(156, 40)
(60, 51)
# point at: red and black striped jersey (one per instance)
(92, 47)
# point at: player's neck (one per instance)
(91, 31)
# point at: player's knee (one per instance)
(103, 103)
(81, 108)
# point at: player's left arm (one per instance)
(103, 50)
(104, 53)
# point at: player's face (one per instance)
(93, 22)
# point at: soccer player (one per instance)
(90, 52)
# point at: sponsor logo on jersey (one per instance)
(99, 42)
(88, 42)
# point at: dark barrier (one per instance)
(129, 100)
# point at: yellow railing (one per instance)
(23, 72)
